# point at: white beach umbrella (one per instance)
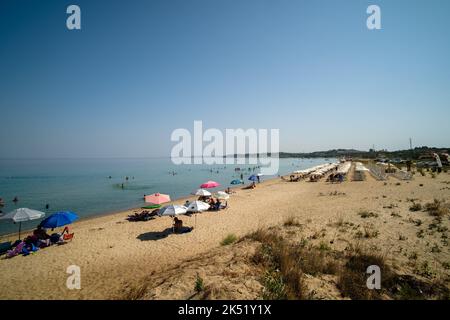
(222, 195)
(172, 210)
(202, 192)
(197, 206)
(22, 215)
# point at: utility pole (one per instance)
(409, 162)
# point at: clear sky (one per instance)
(139, 69)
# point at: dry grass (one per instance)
(367, 214)
(415, 207)
(282, 279)
(353, 277)
(286, 264)
(229, 239)
(436, 208)
(292, 222)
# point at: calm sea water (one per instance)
(84, 186)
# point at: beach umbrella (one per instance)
(253, 178)
(157, 198)
(21, 215)
(59, 219)
(202, 192)
(222, 195)
(172, 210)
(209, 185)
(259, 174)
(236, 181)
(197, 206)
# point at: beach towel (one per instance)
(16, 251)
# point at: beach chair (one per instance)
(68, 237)
(65, 238)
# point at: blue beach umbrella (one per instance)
(59, 219)
(236, 181)
(253, 178)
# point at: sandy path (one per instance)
(114, 253)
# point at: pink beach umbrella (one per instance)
(209, 185)
(157, 198)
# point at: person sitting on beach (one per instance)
(177, 225)
(186, 204)
(40, 233)
(229, 191)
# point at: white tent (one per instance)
(172, 210)
(197, 206)
(22, 215)
(222, 195)
(202, 192)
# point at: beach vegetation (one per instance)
(291, 222)
(229, 239)
(286, 263)
(352, 278)
(436, 208)
(367, 214)
(413, 256)
(415, 207)
(199, 285)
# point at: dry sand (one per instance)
(115, 255)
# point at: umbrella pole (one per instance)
(20, 228)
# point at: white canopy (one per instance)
(222, 195)
(197, 206)
(202, 192)
(23, 214)
(172, 210)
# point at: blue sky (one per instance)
(138, 70)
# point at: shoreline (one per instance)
(111, 214)
(115, 255)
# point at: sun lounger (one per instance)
(143, 216)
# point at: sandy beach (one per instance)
(116, 255)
